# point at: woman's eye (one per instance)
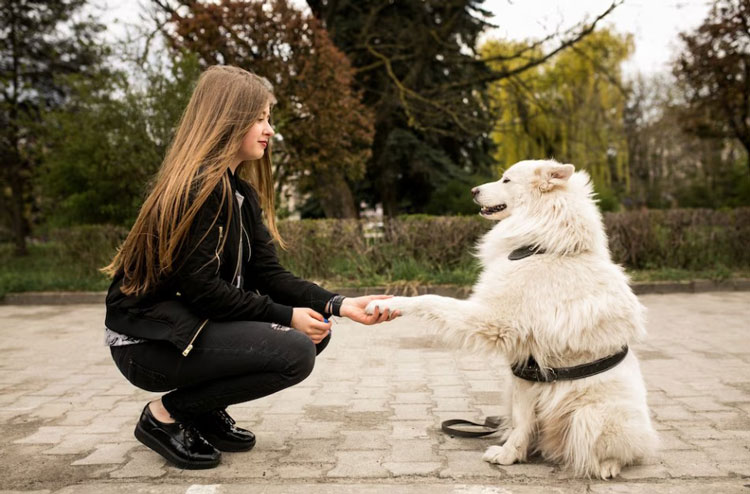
(506, 180)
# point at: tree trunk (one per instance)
(745, 140)
(18, 218)
(335, 195)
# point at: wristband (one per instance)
(336, 302)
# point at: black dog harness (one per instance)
(530, 371)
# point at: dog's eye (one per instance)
(506, 180)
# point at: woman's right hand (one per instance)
(311, 323)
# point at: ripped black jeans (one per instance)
(231, 362)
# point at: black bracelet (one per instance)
(336, 302)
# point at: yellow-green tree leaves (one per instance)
(569, 108)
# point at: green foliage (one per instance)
(569, 108)
(107, 141)
(416, 64)
(68, 260)
(39, 40)
(412, 250)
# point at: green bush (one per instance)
(409, 250)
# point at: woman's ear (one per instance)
(551, 176)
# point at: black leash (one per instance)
(491, 425)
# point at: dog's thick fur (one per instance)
(568, 306)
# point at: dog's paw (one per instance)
(500, 455)
(375, 304)
(609, 469)
(392, 304)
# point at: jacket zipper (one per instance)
(187, 349)
(235, 277)
(218, 246)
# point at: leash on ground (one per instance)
(490, 426)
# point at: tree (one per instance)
(714, 70)
(670, 166)
(108, 140)
(570, 108)
(326, 132)
(416, 62)
(403, 53)
(39, 40)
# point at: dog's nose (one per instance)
(474, 191)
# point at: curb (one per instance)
(457, 291)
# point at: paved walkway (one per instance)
(367, 420)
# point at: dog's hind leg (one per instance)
(523, 419)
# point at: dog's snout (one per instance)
(475, 192)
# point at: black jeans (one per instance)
(231, 362)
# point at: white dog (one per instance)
(549, 294)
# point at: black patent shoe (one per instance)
(219, 429)
(179, 443)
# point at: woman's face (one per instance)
(257, 138)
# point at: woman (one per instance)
(199, 305)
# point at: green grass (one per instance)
(45, 269)
(718, 273)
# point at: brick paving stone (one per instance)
(372, 410)
(77, 443)
(409, 468)
(412, 450)
(47, 435)
(704, 403)
(695, 463)
(142, 464)
(357, 440)
(531, 470)
(410, 412)
(449, 391)
(640, 472)
(310, 451)
(304, 470)
(108, 453)
(411, 398)
(453, 405)
(370, 405)
(358, 464)
(672, 413)
(412, 429)
(469, 464)
(318, 429)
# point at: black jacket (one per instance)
(242, 281)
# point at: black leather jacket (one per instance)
(241, 281)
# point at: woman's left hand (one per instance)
(354, 309)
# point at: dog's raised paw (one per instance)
(500, 455)
(375, 304)
(609, 469)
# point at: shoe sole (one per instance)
(227, 446)
(149, 441)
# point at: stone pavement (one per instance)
(367, 420)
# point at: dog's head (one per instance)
(519, 184)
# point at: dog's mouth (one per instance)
(488, 210)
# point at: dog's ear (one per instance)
(550, 176)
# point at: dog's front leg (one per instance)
(523, 418)
(451, 313)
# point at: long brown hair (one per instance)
(224, 105)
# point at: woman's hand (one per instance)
(311, 323)
(354, 309)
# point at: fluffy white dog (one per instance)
(549, 296)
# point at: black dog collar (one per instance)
(532, 372)
(523, 252)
